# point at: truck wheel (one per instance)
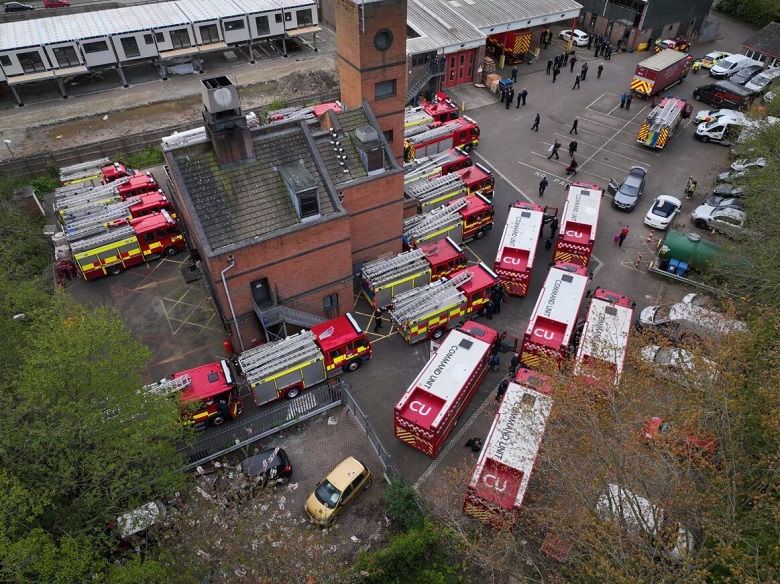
(171, 251)
(705, 139)
(217, 420)
(479, 234)
(352, 366)
(437, 334)
(369, 482)
(700, 223)
(468, 147)
(292, 393)
(115, 270)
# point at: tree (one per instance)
(756, 12)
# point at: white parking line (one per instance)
(610, 140)
(579, 169)
(634, 160)
(475, 154)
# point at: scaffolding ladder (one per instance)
(382, 267)
(431, 134)
(90, 195)
(261, 361)
(76, 171)
(97, 213)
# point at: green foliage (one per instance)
(401, 505)
(756, 12)
(423, 555)
(22, 244)
(46, 183)
(152, 156)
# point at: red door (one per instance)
(460, 68)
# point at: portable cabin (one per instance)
(89, 29)
(61, 46)
(21, 53)
(207, 24)
(299, 14)
(172, 29)
(265, 18)
(130, 31)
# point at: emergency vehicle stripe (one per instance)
(531, 361)
(642, 136)
(424, 446)
(522, 44)
(662, 137)
(641, 85)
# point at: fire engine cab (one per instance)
(462, 132)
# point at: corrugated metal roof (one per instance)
(199, 10)
(127, 19)
(54, 30)
(163, 14)
(257, 6)
(289, 4)
(438, 27)
(16, 35)
(86, 25)
(486, 14)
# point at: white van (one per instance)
(723, 129)
(763, 80)
(731, 65)
(688, 322)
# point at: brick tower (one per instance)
(371, 40)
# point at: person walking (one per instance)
(692, 189)
(524, 94)
(622, 236)
(629, 97)
(622, 100)
(584, 71)
(514, 74)
(565, 59)
(549, 66)
(599, 71)
(377, 319)
(536, 123)
(572, 63)
(572, 147)
(554, 150)
(543, 185)
(574, 129)
(556, 72)
(576, 83)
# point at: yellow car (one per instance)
(338, 490)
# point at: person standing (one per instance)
(572, 168)
(687, 190)
(599, 71)
(553, 226)
(543, 185)
(692, 190)
(576, 83)
(556, 72)
(622, 100)
(524, 94)
(536, 123)
(514, 362)
(608, 53)
(622, 236)
(572, 147)
(565, 59)
(574, 129)
(510, 97)
(519, 98)
(629, 97)
(572, 63)
(377, 319)
(489, 310)
(549, 65)
(514, 74)
(590, 42)
(554, 150)
(584, 71)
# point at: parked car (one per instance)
(728, 190)
(727, 220)
(55, 3)
(17, 7)
(761, 82)
(729, 176)
(709, 115)
(713, 58)
(663, 212)
(271, 466)
(682, 441)
(627, 194)
(744, 164)
(742, 76)
(717, 201)
(337, 491)
(578, 37)
(676, 44)
(687, 321)
(676, 364)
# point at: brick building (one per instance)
(281, 216)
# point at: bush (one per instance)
(152, 156)
(402, 507)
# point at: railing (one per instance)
(436, 69)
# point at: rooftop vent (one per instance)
(371, 149)
(219, 95)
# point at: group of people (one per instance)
(509, 96)
(498, 295)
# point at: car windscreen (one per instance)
(630, 188)
(327, 494)
(662, 314)
(665, 209)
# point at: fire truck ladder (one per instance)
(259, 362)
(90, 195)
(431, 134)
(440, 217)
(99, 236)
(168, 386)
(378, 269)
(433, 189)
(417, 300)
(416, 130)
(98, 213)
(77, 171)
(665, 116)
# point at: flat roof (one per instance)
(581, 214)
(257, 6)
(200, 10)
(557, 308)
(19, 34)
(605, 336)
(518, 242)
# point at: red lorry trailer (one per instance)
(517, 250)
(602, 344)
(554, 317)
(580, 218)
(660, 72)
(427, 412)
(513, 44)
(500, 479)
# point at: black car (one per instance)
(744, 75)
(627, 194)
(717, 201)
(17, 7)
(728, 190)
(272, 465)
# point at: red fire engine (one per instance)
(517, 250)
(98, 250)
(554, 317)
(461, 131)
(513, 44)
(477, 288)
(208, 395)
(440, 164)
(441, 108)
(500, 479)
(284, 368)
(602, 343)
(462, 220)
(427, 412)
(578, 225)
(439, 190)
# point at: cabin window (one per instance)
(261, 22)
(159, 37)
(148, 39)
(66, 56)
(288, 16)
(180, 38)
(278, 17)
(384, 89)
(96, 47)
(5, 61)
(209, 33)
(235, 25)
(31, 62)
(130, 47)
(304, 17)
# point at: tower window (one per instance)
(385, 89)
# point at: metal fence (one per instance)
(39, 164)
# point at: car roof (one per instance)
(730, 211)
(262, 461)
(670, 199)
(345, 473)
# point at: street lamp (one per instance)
(8, 145)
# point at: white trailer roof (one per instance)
(582, 206)
(86, 25)
(606, 334)
(18, 35)
(257, 6)
(163, 14)
(127, 19)
(504, 466)
(521, 230)
(55, 30)
(290, 4)
(200, 10)
(560, 298)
